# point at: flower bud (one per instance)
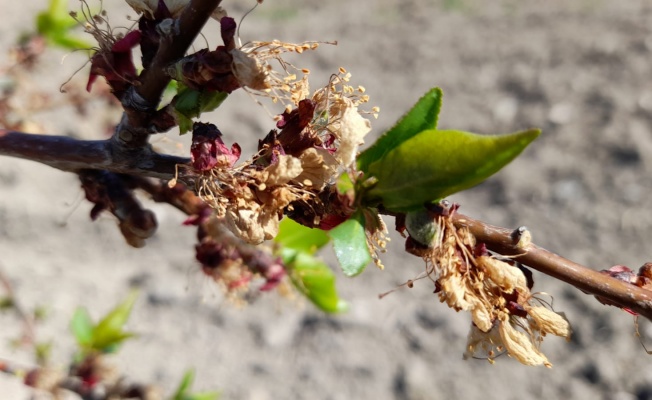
(422, 227)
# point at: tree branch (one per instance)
(503, 241)
(141, 101)
(128, 150)
(73, 155)
(155, 78)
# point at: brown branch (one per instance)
(141, 102)
(73, 155)
(128, 151)
(503, 241)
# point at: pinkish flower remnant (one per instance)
(227, 261)
(209, 151)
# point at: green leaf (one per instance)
(435, 164)
(308, 274)
(185, 123)
(108, 333)
(69, 42)
(295, 236)
(82, 328)
(184, 386)
(423, 115)
(55, 25)
(315, 280)
(186, 382)
(190, 103)
(43, 352)
(345, 185)
(350, 244)
(203, 396)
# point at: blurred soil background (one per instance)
(579, 70)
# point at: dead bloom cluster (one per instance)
(506, 316)
(315, 140)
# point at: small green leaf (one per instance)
(108, 333)
(186, 382)
(43, 352)
(203, 396)
(82, 328)
(55, 25)
(345, 185)
(350, 244)
(184, 386)
(190, 103)
(69, 42)
(423, 115)
(211, 100)
(435, 164)
(308, 274)
(6, 303)
(40, 313)
(295, 236)
(185, 123)
(315, 280)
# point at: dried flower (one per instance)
(520, 346)
(496, 294)
(548, 321)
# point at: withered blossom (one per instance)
(208, 150)
(505, 315)
(318, 166)
(229, 262)
(114, 62)
(295, 168)
(210, 70)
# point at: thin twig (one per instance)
(502, 241)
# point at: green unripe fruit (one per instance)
(422, 227)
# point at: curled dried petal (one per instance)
(286, 169)
(249, 71)
(252, 225)
(353, 128)
(520, 346)
(549, 321)
(478, 341)
(481, 317)
(503, 274)
(319, 168)
(453, 292)
(244, 224)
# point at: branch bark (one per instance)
(73, 155)
(141, 101)
(501, 240)
(128, 150)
